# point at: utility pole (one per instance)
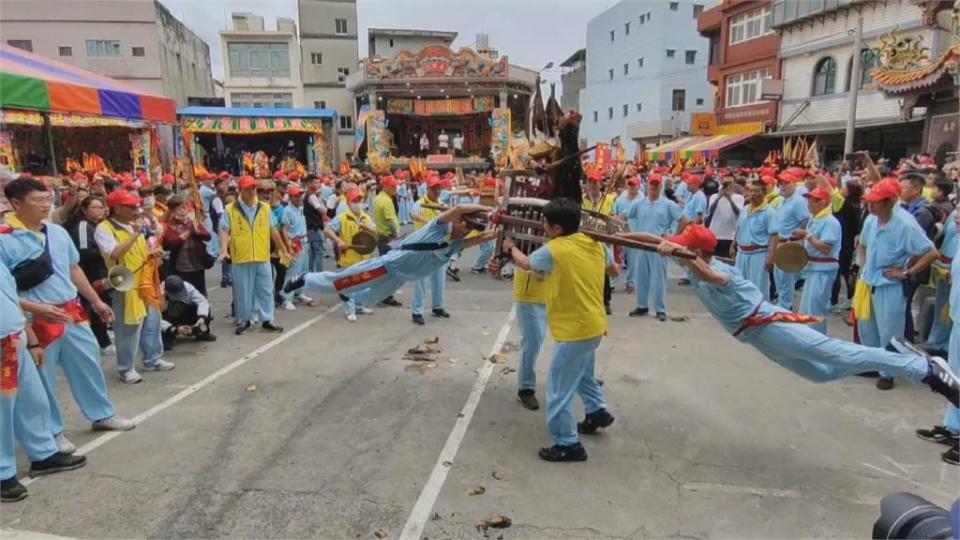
(855, 81)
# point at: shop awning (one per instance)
(708, 147)
(32, 82)
(252, 120)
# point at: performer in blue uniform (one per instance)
(656, 215)
(821, 239)
(791, 216)
(757, 239)
(939, 338)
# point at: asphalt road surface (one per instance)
(326, 431)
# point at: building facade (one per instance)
(573, 80)
(261, 68)
(743, 49)
(645, 64)
(137, 41)
(330, 53)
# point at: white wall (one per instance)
(403, 43)
(292, 84)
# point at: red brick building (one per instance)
(743, 51)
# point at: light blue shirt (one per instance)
(207, 194)
(826, 230)
(325, 192)
(755, 229)
(21, 245)
(294, 220)
(891, 245)
(731, 302)
(696, 205)
(793, 213)
(415, 265)
(955, 289)
(403, 191)
(680, 190)
(421, 190)
(12, 321)
(250, 212)
(948, 248)
(659, 217)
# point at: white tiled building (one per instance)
(261, 67)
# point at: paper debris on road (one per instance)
(476, 490)
(496, 521)
(252, 388)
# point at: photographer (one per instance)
(185, 313)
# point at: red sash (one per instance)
(9, 365)
(357, 279)
(755, 320)
(48, 332)
(751, 249)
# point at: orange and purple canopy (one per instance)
(32, 82)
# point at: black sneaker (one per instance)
(683, 282)
(640, 312)
(885, 383)
(294, 284)
(206, 337)
(58, 462)
(478, 271)
(558, 453)
(441, 313)
(594, 421)
(11, 490)
(418, 319)
(392, 302)
(270, 327)
(942, 380)
(528, 399)
(242, 328)
(453, 274)
(933, 351)
(661, 316)
(938, 434)
(952, 456)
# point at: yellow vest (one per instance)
(529, 287)
(428, 214)
(384, 213)
(604, 207)
(134, 308)
(249, 244)
(349, 226)
(574, 292)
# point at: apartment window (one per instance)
(751, 25)
(868, 62)
(626, 28)
(699, 101)
(24, 44)
(612, 35)
(643, 18)
(639, 107)
(261, 100)
(671, 53)
(626, 110)
(341, 26)
(610, 113)
(679, 100)
(825, 77)
(674, 6)
(346, 122)
(626, 69)
(691, 57)
(65, 51)
(138, 51)
(103, 47)
(610, 72)
(342, 74)
(316, 58)
(649, 16)
(744, 88)
(595, 116)
(259, 59)
(640, 62)
(391, 43)
(320, 104)
(697, 10)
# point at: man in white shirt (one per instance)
(723, 210)
(458, 145)
(424, 145)
(443, 141)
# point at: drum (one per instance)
(791, 257)
(364, 242)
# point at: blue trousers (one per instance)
(404, 213)
(78, 353)
(786, 282)
(131, 338)
(298, 267)
(939, 337)
(252, 292)
(819, 358)
(25, 417)
(572, 371)
(753, 266)
(815, 299)
(651, 272)
(315, 241)
(952, 417)
(486, 253)
(630, 257)
(438, 285)
(532, 319)
(887, 317)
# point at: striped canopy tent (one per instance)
(686, 148)
(34, 83)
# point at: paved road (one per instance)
(326, 432)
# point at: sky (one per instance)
(530, 32)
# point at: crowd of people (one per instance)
(103, 265)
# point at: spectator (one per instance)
(927, 216)
(186, 312)
(91, 212)
(314, 211)
(851, 220)
(722, 215)
(942, 189)
(184, 238)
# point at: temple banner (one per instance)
(500, 136)
(440, 107)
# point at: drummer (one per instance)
(756, 239)
(822, 242)
(341, 231)
(793, 214)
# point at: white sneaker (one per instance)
(305, 298)
(364, 311)
(64, 446)
(131, 377)
(160, 365)
(288, 306)
(114, 423)
(109, 350)
(352, 317)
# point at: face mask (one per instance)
(356, 207)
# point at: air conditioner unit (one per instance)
(771, 89)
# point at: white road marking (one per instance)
(895, 464)
(196, 387)
(428, 496)
(910, 480)
(744, 490)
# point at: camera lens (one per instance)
(908, 516)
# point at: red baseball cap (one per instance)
(294, 191)
(247, 182)
(655, 179)
(490, 182)
(634, 181)
(279, 175)
(294, 176)
(819, 194)
(224, 175)
(695, 237)
(122, 197)
(167, 179)
(389, 181)
(434, 181)
(354, 195)
(798, 172)
(768, 180)
(787, 176)
(128, 183)
(693, 180)
(887, 189)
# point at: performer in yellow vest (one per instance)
(341, 231)
(246, 229)
(575, 266)
(388, 224)
(138, 319)
(438, 279)
(596, 201)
